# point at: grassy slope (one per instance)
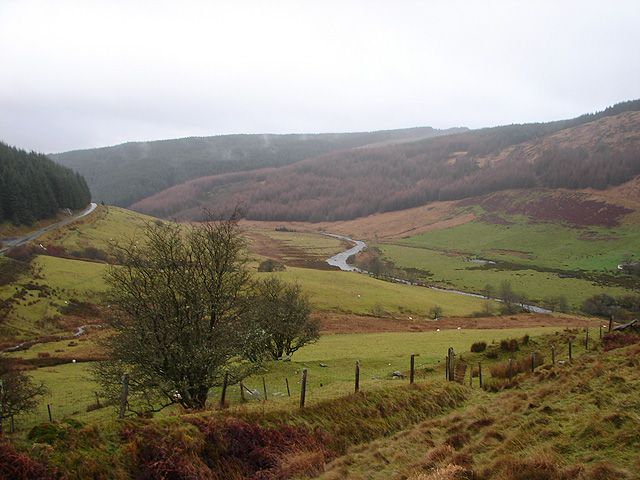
(576, 261)
(575, 420)
(578, 421)
(63, 281)
(349, 292)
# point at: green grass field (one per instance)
(535, 259)
(330, 364)
(360, 294)
(98, 229)
(544, 245)
(455, 270)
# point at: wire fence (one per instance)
(453, 368)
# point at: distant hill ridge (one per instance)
(124, 174)
(592, 151)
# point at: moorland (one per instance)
(567, 409)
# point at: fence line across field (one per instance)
(455, 371)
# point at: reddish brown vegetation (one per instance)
(16, 465)
(571, 208)
(224, 449)
(614, 340)
(356, 183)
(336, 323)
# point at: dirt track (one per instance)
(333, 324)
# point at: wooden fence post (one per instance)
(570, 343)
(288, 391)
(471, 376)
(533, 361)
(610, 323)
(303, 387)
(49, 410)
(357, 376)
(480, 374)
(600, 332)
(264, 387)
(586, 340)
(411, 371)
(123, 398)
(225, 382)
(451, 365)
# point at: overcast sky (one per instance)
(82, 74)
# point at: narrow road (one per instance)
(16, 242)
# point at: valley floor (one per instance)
(339, 324)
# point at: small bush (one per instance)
(523, 365)
(20, 466)
(491, 354)
(479, 347)
(95, 254)
(271, 265)
(615, 340)
(56, 251)
(22, 254)
(509, 345)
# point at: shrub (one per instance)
(20, 466)
(611, 341)
(491, 354)
(509, 345)
(479, 347)
(271, 265)
(501, 370)
(95, 254)
(56, 250)
(22, 254)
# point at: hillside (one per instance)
(558, 248)
(592, 151)
(572, 419)
(32, 187)
(123, 174)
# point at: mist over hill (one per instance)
(592, 151)
(123, 174)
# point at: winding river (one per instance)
(340, 261)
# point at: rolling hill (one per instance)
(592, 151)
(123, 174)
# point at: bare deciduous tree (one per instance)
(280, 314)
(18, 393)
(181, 294)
